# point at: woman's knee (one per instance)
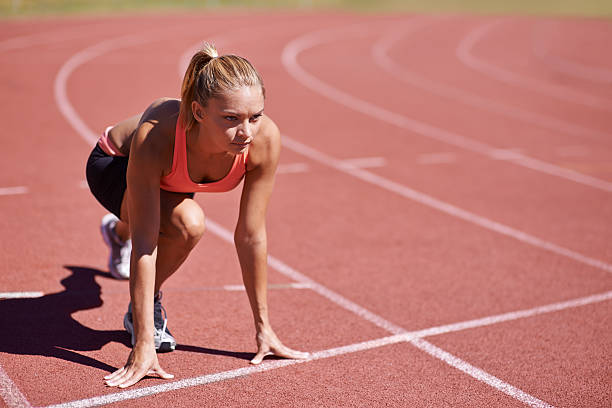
(186, 223)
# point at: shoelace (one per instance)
(163, 312)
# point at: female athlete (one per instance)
(145, 171)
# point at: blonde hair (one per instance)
(209, 75)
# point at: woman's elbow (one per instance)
(244, 238)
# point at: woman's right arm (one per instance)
(143, 180)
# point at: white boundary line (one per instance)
(414, 338)
(465, 55)
(380, 54)
(9, 392)
(566, 66)
(479, 374)
(20, 295)
(298, 45)
(13, 190)
(439, 205)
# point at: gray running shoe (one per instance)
(120, 252)
(164, 341)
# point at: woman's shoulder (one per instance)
(161, 110)
(159, 119)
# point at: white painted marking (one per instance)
(367, 162)
(9, 392)
(20, 295)
(380, 53)
(506, 154)
(310, 40)
(292, 168)
(46, 37)
(291, 273)
(437, 158)
(13, 190)
(465, 55)
(442, 206)
(412, 337)
(479, 374)
(520, 314)
(74, 62)
(241, 288)
(564, 65)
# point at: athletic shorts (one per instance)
(106, 176)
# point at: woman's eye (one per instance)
(255, 118)
(230, 118)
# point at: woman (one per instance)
(146, 169)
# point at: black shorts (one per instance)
(107, 179)
(106, 176)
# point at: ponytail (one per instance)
(188, 89)
(209, 75)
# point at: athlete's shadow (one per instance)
(44, 326)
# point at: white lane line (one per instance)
(78, 59)
(298, 45)
(519, 314)
(479, 374)
(9, 392)
(564, 65)
(291, 273)
(465, 55)
(13, 190)
(292, 168)
(440, 205)
(241, 288)
(366, 162)
(437, 158)
(412, 337)
(20, 295)
(46, 37)
(380, 54)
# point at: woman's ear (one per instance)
(197, 111)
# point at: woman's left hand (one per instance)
(268, 344)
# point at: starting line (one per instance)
(415, 338)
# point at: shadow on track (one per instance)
(44, 326)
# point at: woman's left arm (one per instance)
(251, 240)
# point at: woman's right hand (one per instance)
(142, 361)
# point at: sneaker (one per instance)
(119, 258)
(164, 341)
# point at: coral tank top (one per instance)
(178, 180)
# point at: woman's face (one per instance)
(232, 119)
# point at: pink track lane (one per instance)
(406, 262)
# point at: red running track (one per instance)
(439, 231)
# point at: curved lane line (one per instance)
(381, 57)
(465, 55)
(569, 67)
(310, 40)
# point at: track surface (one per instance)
(439, 234)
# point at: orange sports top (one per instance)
(178, 180)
